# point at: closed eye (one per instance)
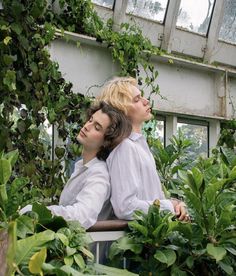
(137, 98)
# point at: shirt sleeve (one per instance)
(89, 201)
(124, 170)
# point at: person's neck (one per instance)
(137, 128)
(88, 155)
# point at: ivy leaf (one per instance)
(10, 80)
(218, 253)
(6, 40)
(16, 28)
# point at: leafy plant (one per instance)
(11, 190)
(43, 244)
(169, 160)
(157, 245)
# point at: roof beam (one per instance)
(170, 24)
(213, 32)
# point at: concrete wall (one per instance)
(190, 88)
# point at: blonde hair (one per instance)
(118, 92)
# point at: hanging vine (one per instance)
(33, 90)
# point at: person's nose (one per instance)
(87, 126)
(145, 101)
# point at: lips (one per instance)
(81, 133)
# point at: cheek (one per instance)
(99, 138)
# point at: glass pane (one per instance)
(195, 16)
(150, 9)
(228, 28)
(104, 3)
(199, 137)
(155, 128)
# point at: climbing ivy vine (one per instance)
(33, 90)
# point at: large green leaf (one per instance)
(192, 182)
(194, 201)
(17, 185)
(198, 177)
(66, 270)
(25, 225)
(217, 252)
(134, 225)
(232, 174)
(5, 171)
(111, 271)
(79, 260)
(176, 271)
(229, 155)
(226, 267)
(211, 172)
(123, 244)
(166, 256)
(44, 214)
(37, 260)
(211, 191)
(27, 247)
(12, 156)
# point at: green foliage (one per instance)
(46, 245)
(227, 134)
(128, 46)
(32, 91)
(148, 242)
(169, 160)
(207, 246)
(11, 189)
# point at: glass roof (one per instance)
(150, 9)
(105, 3)
(192, 16)
(195, 16)
(228, 27)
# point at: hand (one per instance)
(180, 210)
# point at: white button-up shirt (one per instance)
(86, 195)
(135, 183)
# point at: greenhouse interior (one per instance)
(118, 137)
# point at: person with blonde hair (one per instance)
(135, 184)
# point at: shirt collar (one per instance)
(91, 162)
(80, 164)
(134, 136)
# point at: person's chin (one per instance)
(79, 139)
(149, 117)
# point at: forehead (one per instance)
(135, 91)
(101, 118)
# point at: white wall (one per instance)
(190, 88)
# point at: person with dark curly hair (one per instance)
(86, 195)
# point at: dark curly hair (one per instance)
(119, 128)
